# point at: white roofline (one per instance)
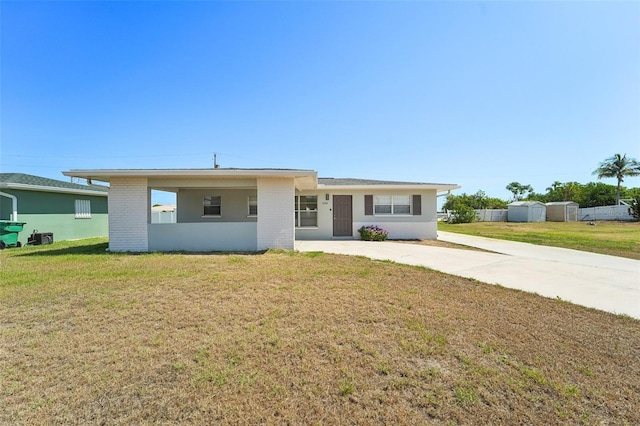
(106, 173)
(437, 187)
(27, 187)
(304, 178)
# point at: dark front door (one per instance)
(342, 216)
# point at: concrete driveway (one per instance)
(603, 282)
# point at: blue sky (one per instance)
(475, 93)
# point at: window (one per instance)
(253, 205)
(392, 204)
(306, 208)
(212, 205)
(83, 209)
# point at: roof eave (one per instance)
(304, 179)
(107, 173)
(437, 187)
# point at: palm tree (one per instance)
(618, 166)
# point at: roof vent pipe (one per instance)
(14, 203)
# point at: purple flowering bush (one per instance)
(373, 233)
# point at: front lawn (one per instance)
(88, 337)
(605, 237)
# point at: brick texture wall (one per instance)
(128, 214)
(275, 214)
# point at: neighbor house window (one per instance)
(83, 209)
(392, 204)
(253, 205)
(306, 208)
(212, 205)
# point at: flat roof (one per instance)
(106, 174)
(304, 178)
(355, 183)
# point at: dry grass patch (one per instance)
(288, 338)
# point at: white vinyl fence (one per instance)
(591, 213)
(492, 215)
(605, 213)
(163, 217)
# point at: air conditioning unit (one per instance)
(39, 238)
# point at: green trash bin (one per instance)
(9, 233)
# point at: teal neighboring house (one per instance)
(69, 210)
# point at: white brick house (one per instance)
(257, 209)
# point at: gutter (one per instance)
(14, 203)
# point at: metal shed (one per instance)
(562, 211)
(526, 211)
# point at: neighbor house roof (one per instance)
(163, 208)
(352, 183)
(37, 183)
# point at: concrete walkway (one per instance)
(599, 281)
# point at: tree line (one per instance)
(592, 194)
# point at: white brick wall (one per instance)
(275, 214)
(128, 214)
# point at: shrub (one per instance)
(463, 214)
(479, 200)
(373, 233)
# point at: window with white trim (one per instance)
(392, 204)
(212, 205)
(253, 205)
(306, 211)
(83, 209)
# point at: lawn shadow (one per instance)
(98, 248)
(103, 248)
(209, 253)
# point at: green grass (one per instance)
(91, 337)
(606, 237)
